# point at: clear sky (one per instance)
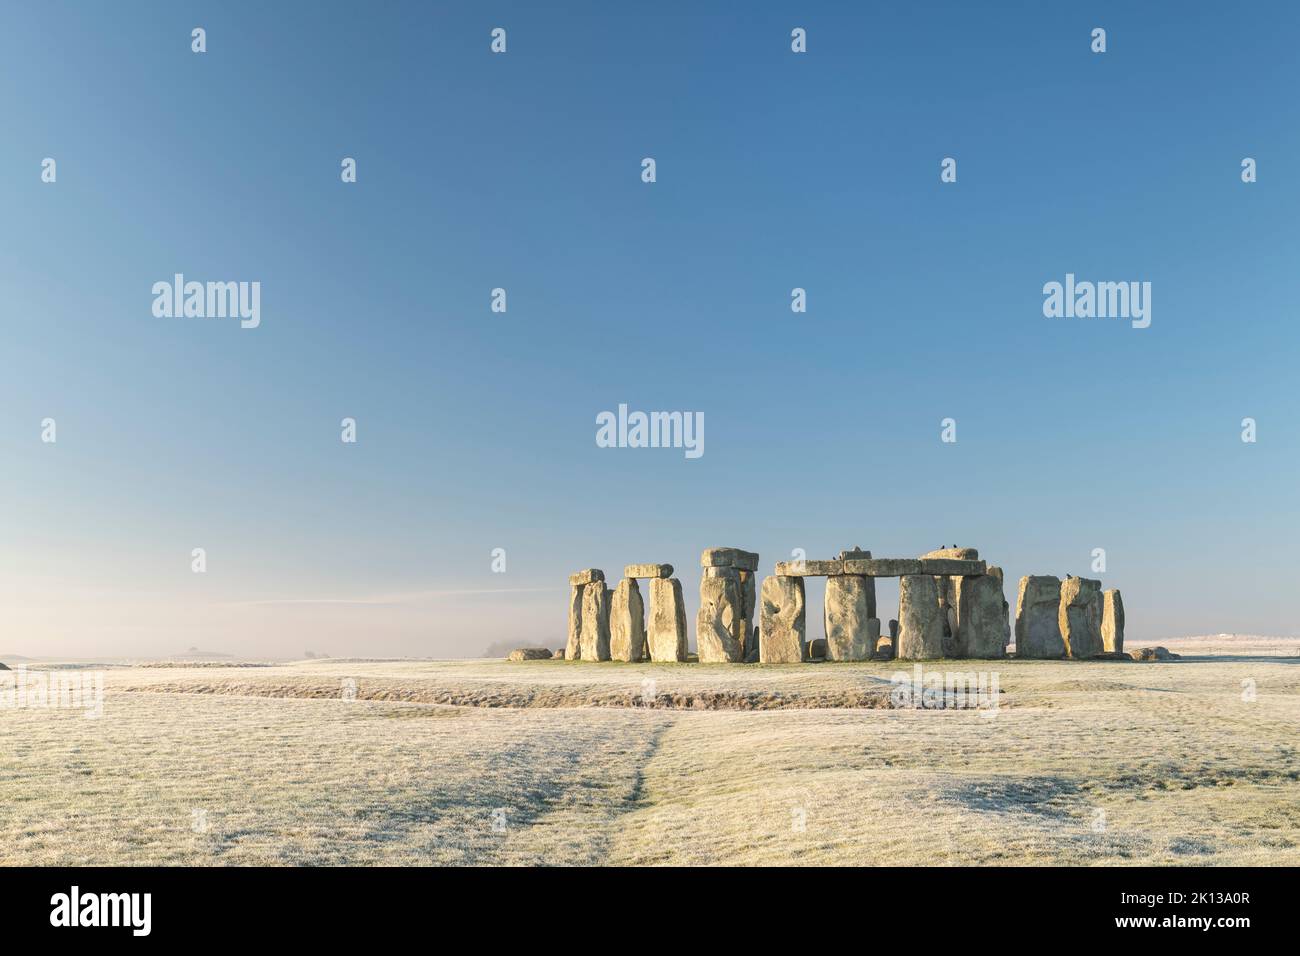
(775, 170)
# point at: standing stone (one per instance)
(718, 626)
(847, 613)
(893, 629)
(748, 600)
(982, 621)
(873, 636)
(1112, 621)
(574, 647)
(627, 622)
(783, 623)
(1038, 625)
(667, 637)
(996, 572)
(817, 649)
(595, 622)
(920, 631)
(1080, 618)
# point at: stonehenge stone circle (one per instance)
(1080, 617)
(667, 633)
(782, 628)
(594, 639)
(848, 609)
(627, 622)
(951, 604)
(1112, 622)
(1038, 624)
(920, 633)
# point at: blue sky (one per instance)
(775, 170)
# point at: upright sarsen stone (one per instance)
(1080, 617)
(920, 632)
(718, 634)
(627, 622)
(848, 609)
(982, 619)
(782, 621)
(574, 646)
(1038, 624)
(595, 622)
(667, 636)
(1112, 621)
(748, 601)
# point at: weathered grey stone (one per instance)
(718, 634)
(667, 635)
(996, 572)
(1079, 618)
(627, 622)
(648, 571)
(883, 567)
(982, 622)
(729, 558)
(847, 613)
(920, 633)
(1038, 625)
(953, 567)
(782, 621)
(959, 554)
(587, 576)
(1154, 654)
(873, 634)
(809, 569)
(559, 655)
(817, 649)
(574, 647)
(1112, 621)
(595, 622)
(854, 554)
(748, 601)
(529, 654)
(893, 629)
(949, 614)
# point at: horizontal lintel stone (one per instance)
(809, 569)
(883, 567)
(586, 577)
(729, 558)
(648, 571)
(953, 567)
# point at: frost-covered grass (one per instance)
(553, 762)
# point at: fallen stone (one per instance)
(817, 649)
(847, 613)
(782, 621)
(1154, 654)
(648, 571)
(1079, 618)
(573, 649)
(920, 633)
(1112, 621)
(729, 558)
(667, 634)
(595, 622)
(883, 567)
(982, 620)
(559, 655)
(718, 625)
(952, 567)
(809, 569)
(959, 554)
(1038, 624)
(627, 622)
(529, 654)
(586, 577)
